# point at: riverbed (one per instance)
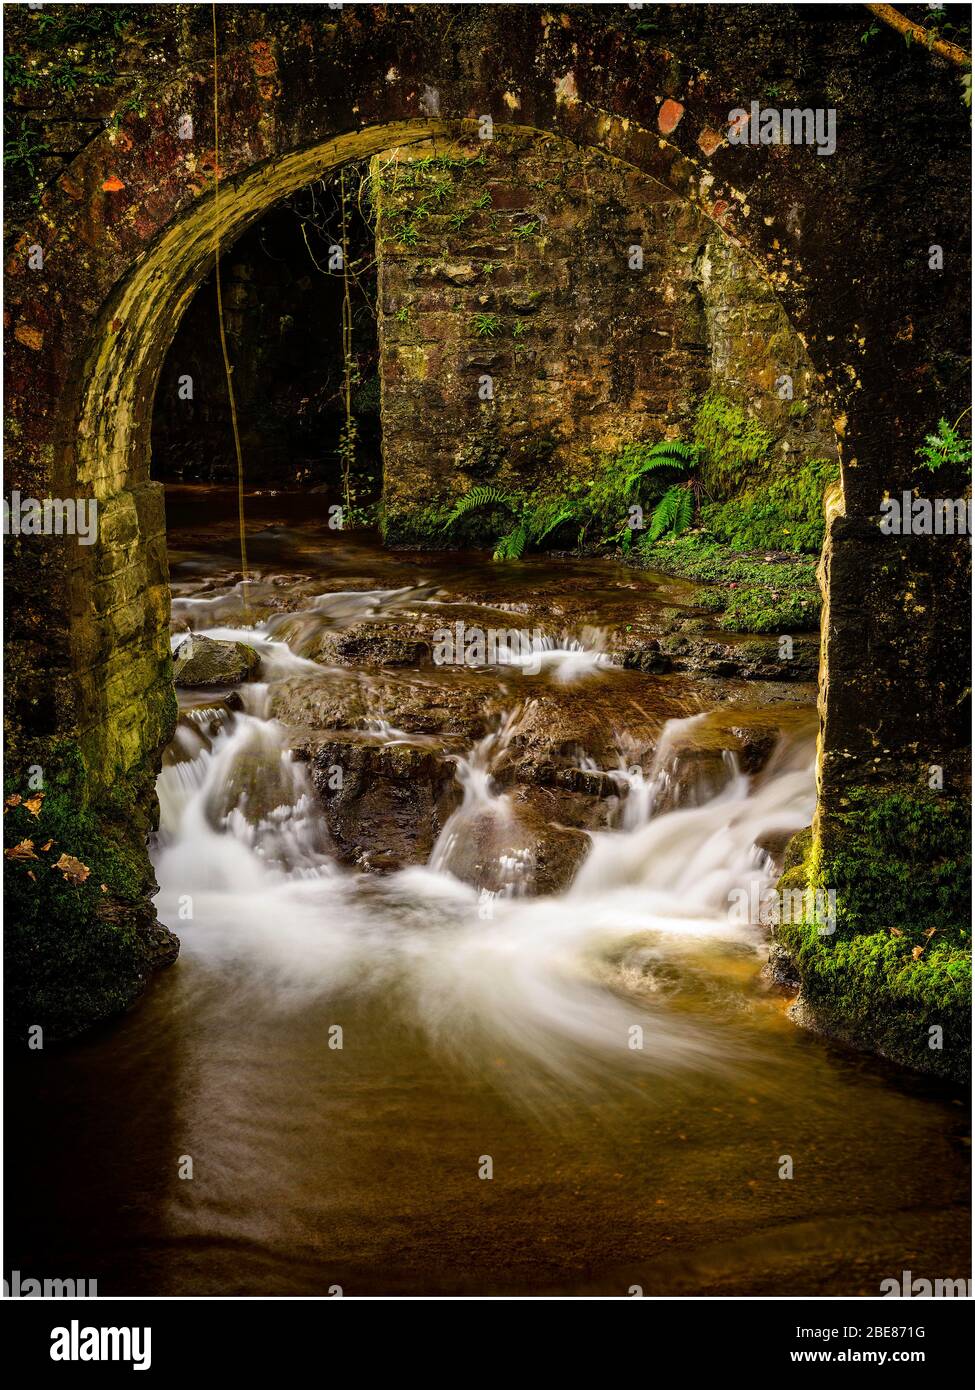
(514, 1041)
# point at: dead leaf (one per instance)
(929, 933)
(14, 800)
(896, 931)
(73, 869)
(34, 804)
(113, 184)
(31, 875)
(104, 887)
(45, 848)
(25, 850)
(917, 953)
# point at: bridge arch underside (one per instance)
(119, 618)
(129, 233)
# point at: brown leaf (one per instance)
(34, 804)
(104, 887)
(929, 933)
(73, 869)
(896, 931)
(25, 850)
(31, 875)
(14, 800)
(917, 953)
(45, 848)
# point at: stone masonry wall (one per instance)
(522, 335)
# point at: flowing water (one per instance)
(441, 1079)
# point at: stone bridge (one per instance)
(128, 227)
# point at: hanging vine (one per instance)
(350, 369)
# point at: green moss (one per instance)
(752, 593)
(421, 528)
(756, 608)
(899, 961)
(734, 448)
(76, 952)
(906, 854)
(787, 514)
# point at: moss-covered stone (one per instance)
(82, 939)
(894, 976)
(777, 594)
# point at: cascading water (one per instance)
(470, 955)
(339, 1051)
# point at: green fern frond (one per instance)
(639, 460)
(669, 511)
(685, 511)
(512, 546)
(476, 500)
(545, 519)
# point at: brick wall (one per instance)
(521, 337)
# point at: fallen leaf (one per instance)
(34, 804)
(45, 848)
(32, 875)
(25, 850)
(896, 931)
(73, 869)
(113, 184)
(917, 953)
(14, 800)
(104, 887)
(930, 932)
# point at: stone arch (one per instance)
(120, 652)
(126, 232)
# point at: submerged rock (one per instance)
(201, 661)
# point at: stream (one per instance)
(462, 1006)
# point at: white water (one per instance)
(458, 946)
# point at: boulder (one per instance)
(205, 661)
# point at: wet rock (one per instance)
(780, 968)
(385, 804)
(773, 842)
(449, 706)
(203, 661)
(373, 644)
(554, 825)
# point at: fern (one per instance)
(674, 512)
(549, 516)
(477, 499)
(512, 546)
(640, 460)
(685, 511)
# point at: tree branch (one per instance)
(943, 47)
